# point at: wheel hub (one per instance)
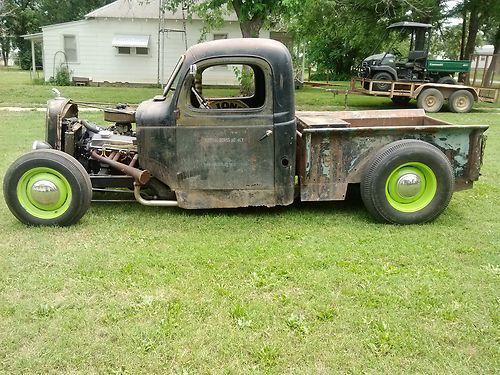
(45, 192)
(430, 101)
(461, 102)
(409, 185)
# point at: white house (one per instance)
(482, 57)
(125, 41)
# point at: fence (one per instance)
(484, 70)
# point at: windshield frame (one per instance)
(174, 74)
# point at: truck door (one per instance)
(224, 135)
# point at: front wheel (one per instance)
(382, 86)
(47, 187)
(407, 182)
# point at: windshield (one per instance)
(174, 78)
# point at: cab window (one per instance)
(228, 87)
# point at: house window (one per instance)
(124, 50)
(131, 44)
(142, 51)
(70, 48)
(220, 36)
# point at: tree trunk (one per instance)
(472, 34)
(249, 27)
(5, 46)
(490, 72)
(464, 33)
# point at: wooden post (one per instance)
(33, 63)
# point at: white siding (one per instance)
(99, 60)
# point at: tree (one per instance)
(252, 14)
(480, 21)
(19, 17)
(340, 33)
(69, 10)
(477, 15)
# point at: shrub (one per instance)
(245, 79)
(62, 77)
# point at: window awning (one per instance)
(131, 41)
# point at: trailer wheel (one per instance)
(47, 187)
(382, 76)
(461, 101)
(430, 100)
(401, 100)
(407, 182)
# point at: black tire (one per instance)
(382, 76)
(401, 100)
(391, 179)
(461, 101)
(47, 187)
(447, 80)
(430, 100)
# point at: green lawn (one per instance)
(310, 288)
(16, 90)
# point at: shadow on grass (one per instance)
(352, 206)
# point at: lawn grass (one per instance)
(309, 288)
(16, 90)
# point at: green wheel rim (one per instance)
(37, 208)
(422, 193)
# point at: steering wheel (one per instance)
(201, 100)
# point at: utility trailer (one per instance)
(430, 96)
(194, 148)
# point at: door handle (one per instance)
(268, 133)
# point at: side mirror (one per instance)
(192, 70)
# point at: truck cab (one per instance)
(224, 151)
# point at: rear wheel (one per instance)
(47, 187)
(381, 86)
(430, 100)
(448, 80)
(461, 101)
(407, 182)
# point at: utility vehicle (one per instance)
(195, 147)
(416, 66)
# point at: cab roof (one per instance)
(273, 52)
(268, 49)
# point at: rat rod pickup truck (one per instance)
(195, 148)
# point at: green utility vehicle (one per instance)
(196, 149)
(416, 66)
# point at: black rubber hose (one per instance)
(90, 126)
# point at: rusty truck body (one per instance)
(193, 148)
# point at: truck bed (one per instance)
(349, 119)
(334, 147)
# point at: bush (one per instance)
(245, 78)
(62, 77)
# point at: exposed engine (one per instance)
(108, 153)
(84, 139)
